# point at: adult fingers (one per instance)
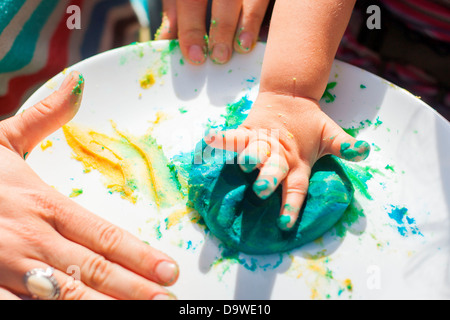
(192, 29)
(224, 19)
(115, 244)
(69, 287)
(102, 275)
(169, 24)
(252, 16)
(25, 130)
(295, 190)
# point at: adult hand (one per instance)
(41, 228)
(284, 136)
(235, 25)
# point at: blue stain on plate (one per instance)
(406, 225)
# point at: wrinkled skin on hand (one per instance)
(39, 227)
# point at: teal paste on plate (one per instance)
(222, 193)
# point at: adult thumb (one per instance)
(25, 130)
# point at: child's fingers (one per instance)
(252, 16)
(274, 170)
(343, 145)
(168, 29)
(295, 190)
(231, 140)
(25, 130)
(192, 30)
(255, 155)
(224, 20)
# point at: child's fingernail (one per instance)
(220, 53)
(196, 54)
(284, 222)
(359, 151)
(262, 188)
(167, 272)
(245, 41)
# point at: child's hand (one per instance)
(284, 136)
(235, 24)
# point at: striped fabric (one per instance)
(430, 17)
(36, 44)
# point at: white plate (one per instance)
(377, 258)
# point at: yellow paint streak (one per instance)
(177, 216)
(46, 144)
(147, 80)
(129, 164)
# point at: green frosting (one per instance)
(223, 195)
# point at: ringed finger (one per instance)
(80, 226)
(104, 276)
(42, 287)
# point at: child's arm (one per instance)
(303, 39)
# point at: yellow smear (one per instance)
(46, 144)
(147, 81)
(130, 165)
(76, 193)
(176, 217)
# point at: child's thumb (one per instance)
(343, 145)
(25, 130)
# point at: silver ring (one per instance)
(42, 284)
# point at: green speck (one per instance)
(328, 96)
(182, 62)
(77, 89)
(25, 155)
(182, 110)
(362, 86)
(389, 167)
(76, 193)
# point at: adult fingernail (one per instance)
(78, 88)
(167, 272)
(196, 54)
(245, 41)
(220, 53)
